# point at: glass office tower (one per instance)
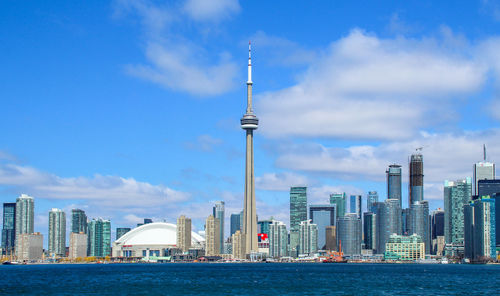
(339, 199)
(322, 216)
(394, 183)
(9, 228)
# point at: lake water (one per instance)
(250, 279)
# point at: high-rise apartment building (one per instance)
(29, 247)
(308, 238)
(218, 212)
(456, 195)
(349, 234)
(212, 236)
(78, 245)
(236, 222)
(100, 237)
(25, 216)
(356, 204)
(238, 245)
(57, 232)
(323, 216)
(298, 213)
(416, 182)
(9, 228)
(278, 239)
(183, 233)
(484, 230)
(369, 230)
(394, 183)
(371, 199)
(388, 222)
(120, 231)
(420, 222)
(78, 221)
(339, 199)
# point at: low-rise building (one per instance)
(405, 248)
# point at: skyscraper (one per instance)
(456, 195)
(369, 230)
(416, 183)
(212, 236)
(339, 199)
(249, 123)
(322, 216)
(25, 214)
(236, 222)
(437, 231)
(371, 199)
(308, 238)
(482, 170)
(218, 212)
(57, 232)
(238, 242)
(394, 183)
(278, 239)
(298, 213)
(100, 237)
(120, 231)
(9, 228)
(183, 233)
(356, 204)
(420, 222)
(78, 221)
(388, 222)
(484, 228)
(488, 187)
(349, 234)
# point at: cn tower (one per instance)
(249, 123)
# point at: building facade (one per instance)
(236, 222)
(356, 204)
(298, 213)
(331, 238)
(78, 244)
(30, 247)
(416, 182)
(308, 238)
(371, 199)
(219, 212)
(120, 231)
(25, 216)
(420, 222)
(9, 228)
(437, 232)
(57, 232)
(488, 187)
(339, 199)
(183, 233)
(78, 221)
(323, 216)
(484, 229)
(212, 236)
(99, 238)
(238, 245)
(278, 239)
(388, 222)
(349, 234)
(369, 230)
(393, 174)
(456, 195)
(405, 248)
(482, 170)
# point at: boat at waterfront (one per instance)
(11, 263)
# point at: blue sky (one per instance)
(130, 109)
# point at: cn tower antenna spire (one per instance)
(249, 81)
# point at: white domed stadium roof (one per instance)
(158, 233)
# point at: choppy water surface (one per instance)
(250, 279)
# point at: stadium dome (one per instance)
(151, 236)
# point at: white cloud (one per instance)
(281, 181)
(365, 87)
(213, 10)
(175, 61)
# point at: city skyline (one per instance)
(94, 119)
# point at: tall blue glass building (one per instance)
(420, 222)
(322, 216)
(339, 199)
(298, 213)
(78, 221)
(236, 222)
(388, 222)
(416, 182)
(394, 183)
(371, 199)
(356, 204)
(9, 228)
(349, 234)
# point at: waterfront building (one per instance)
(8, 228)
(322, 216)
(278, 239)
(416, 182)
(238, 245)
(218, 212)
(349, 234)
(236, 222)
(120, 231)
(78, 244)
(25, 217)
(420, 222)
(371, 199)
(406, 221)
(394, 183)
(30, 246)
(212, 236)
(184, 233)
(356, 204)
(488, 187)
(437, 232)
(388, 222)
(456, 195)
(57, 232)
(153, 239)
(484, 229)
(369, 230)
(482, 170)
(331, 238)
(99, 238)
(249, 123)
(339, 199)
(298, 213)
(308, 238)
(78, 221)
(404, 248)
